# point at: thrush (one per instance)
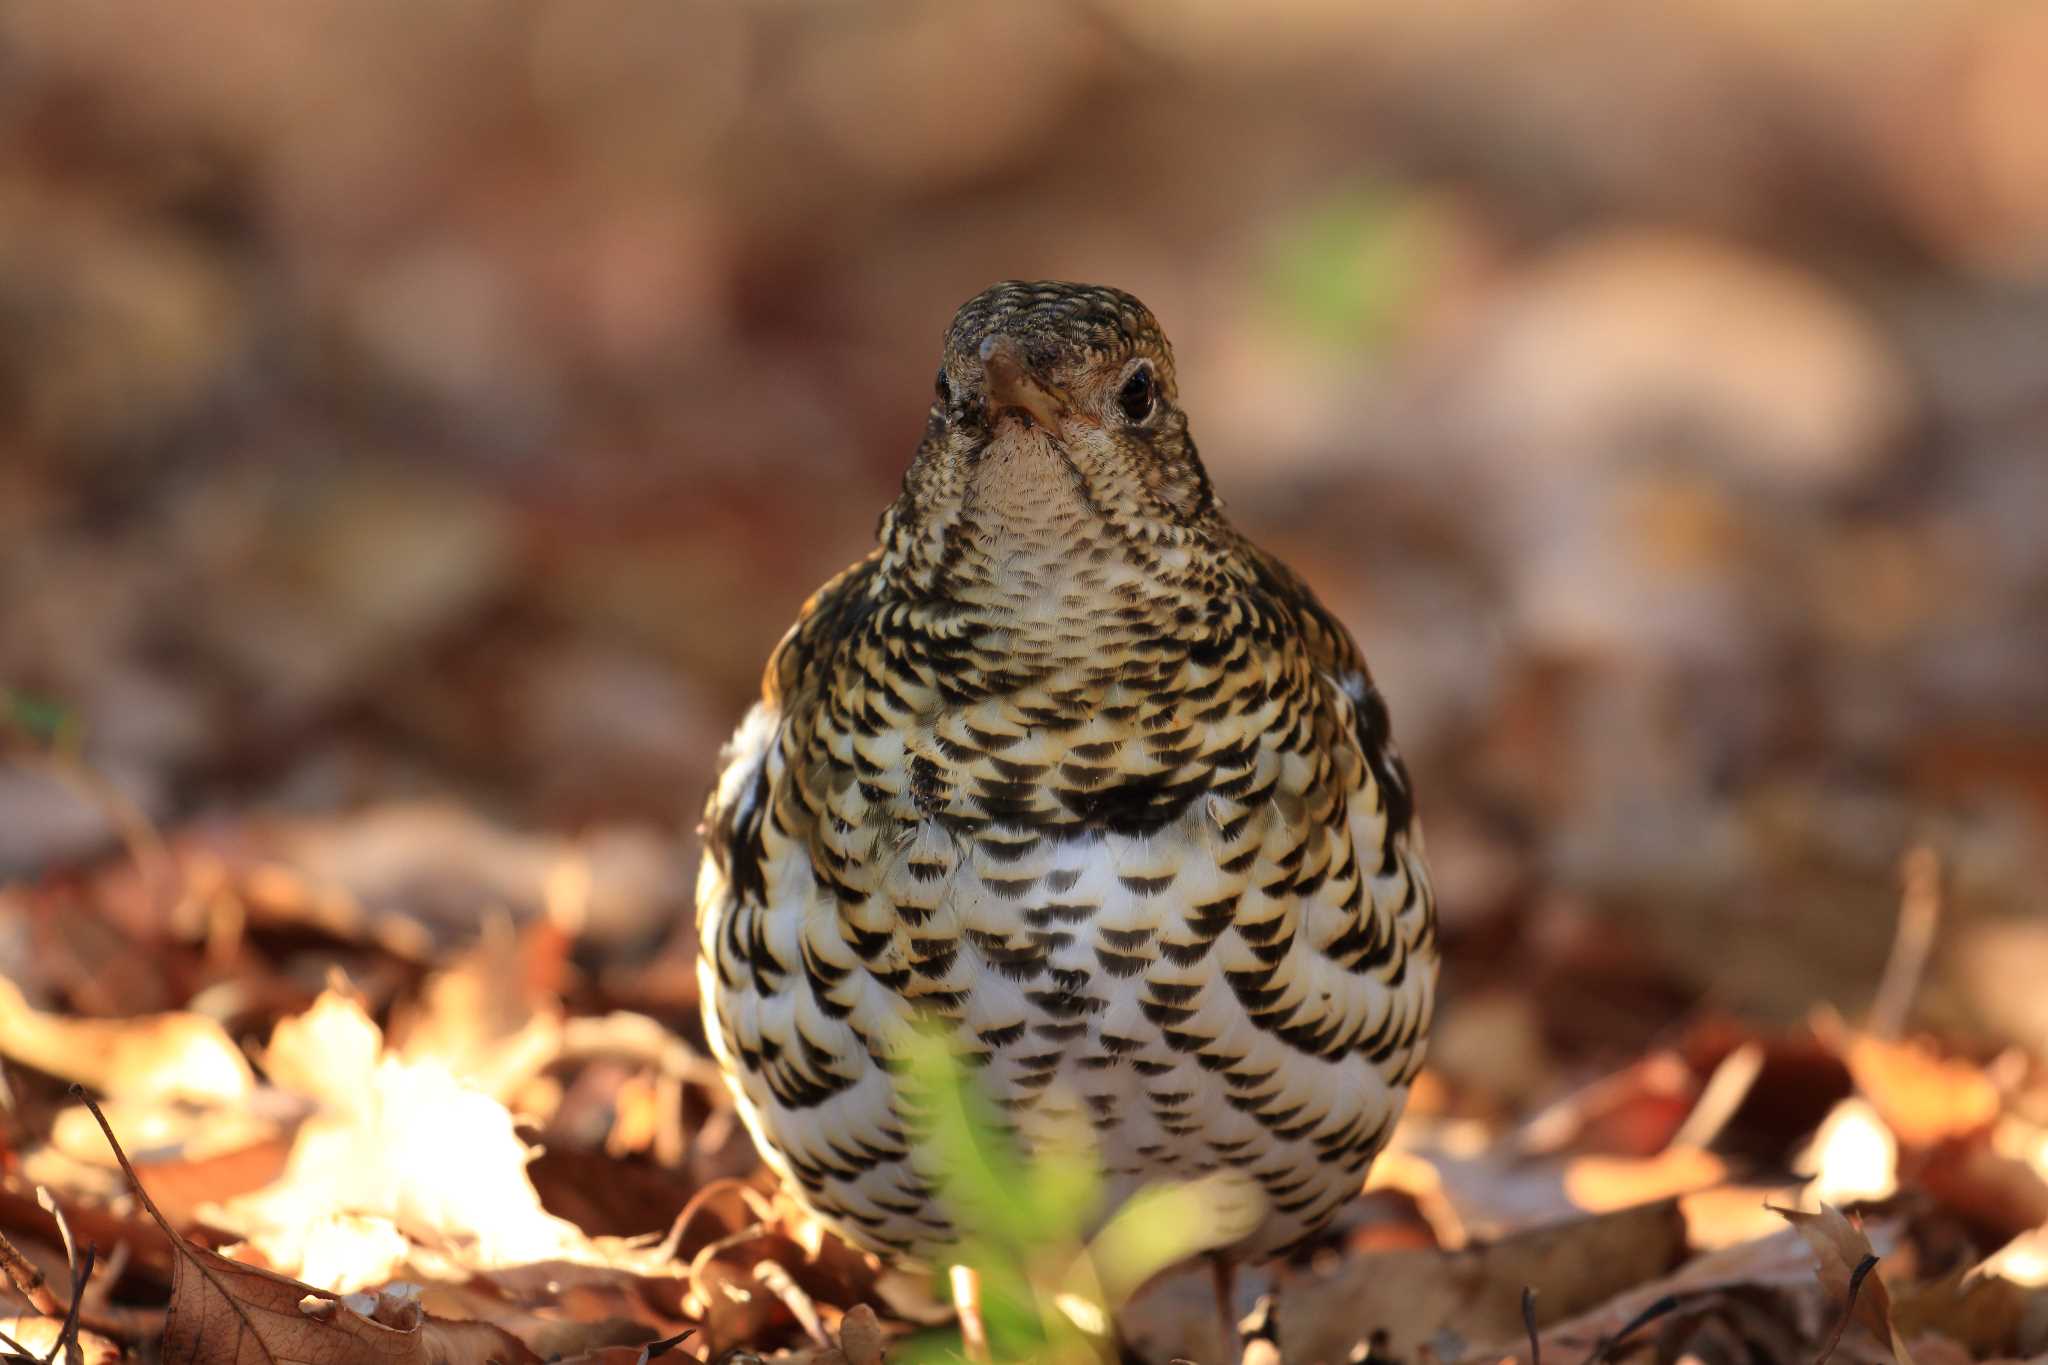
(1070, 769)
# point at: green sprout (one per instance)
(1049, 1291)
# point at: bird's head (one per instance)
(1056, 402)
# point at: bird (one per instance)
(1071, 771)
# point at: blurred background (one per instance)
(456, 402)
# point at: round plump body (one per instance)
(1071, 770)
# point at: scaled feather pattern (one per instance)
(1073, 771)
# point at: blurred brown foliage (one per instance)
(455, 402)
(407, 399)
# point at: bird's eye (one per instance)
(945, 391)
(1138, 394)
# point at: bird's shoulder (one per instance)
(1338, 665)
(828, 620)
(793, 684)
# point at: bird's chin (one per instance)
(1025, 467)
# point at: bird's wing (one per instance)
(1340, 664)
(733, 814)
(828, 620)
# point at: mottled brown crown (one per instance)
(1047, 315)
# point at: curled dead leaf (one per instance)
(1848, 1271)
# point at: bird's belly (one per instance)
(1152, 1008)
(1227, 988)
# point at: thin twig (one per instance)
(81, 1275)
(48, 1203)
(776, 1281)
(1604, 1349)
(1261, 1334)
(96, 1298)
(637, 1038)
(1529, 1325)
(27, 1280)
(1912, 942)
(1856, 1278)
(1720, 1097)
(122, 1324)
(67, 1335)
(966, 1286)
(1223, 1279)
(137, 832)
(667, 1344)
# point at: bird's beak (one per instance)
(1013, 387)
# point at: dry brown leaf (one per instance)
(563, 1310)
(415, 878)
(151, 1057)
(1942, 1351)
(2023, 1260)
(2004, 1194)
(225, 1313)
(735, 1307)
(1924, 1098)
(1601, 1184)
(472, 1343)
(1779, 1261)
(1414, 1176)
(243, 1148)
(1634, 1111)
(1983, 1312)
(617, 1355)
(1840, 1252)
(1414, 1295)
(1730, 1215)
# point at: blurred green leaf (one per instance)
(1046, 1290)
(45, 720)
(1022, 1219)
(1349, 271)
(1165, 1224)
(981, 1175)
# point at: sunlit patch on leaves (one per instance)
(226, 1313)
